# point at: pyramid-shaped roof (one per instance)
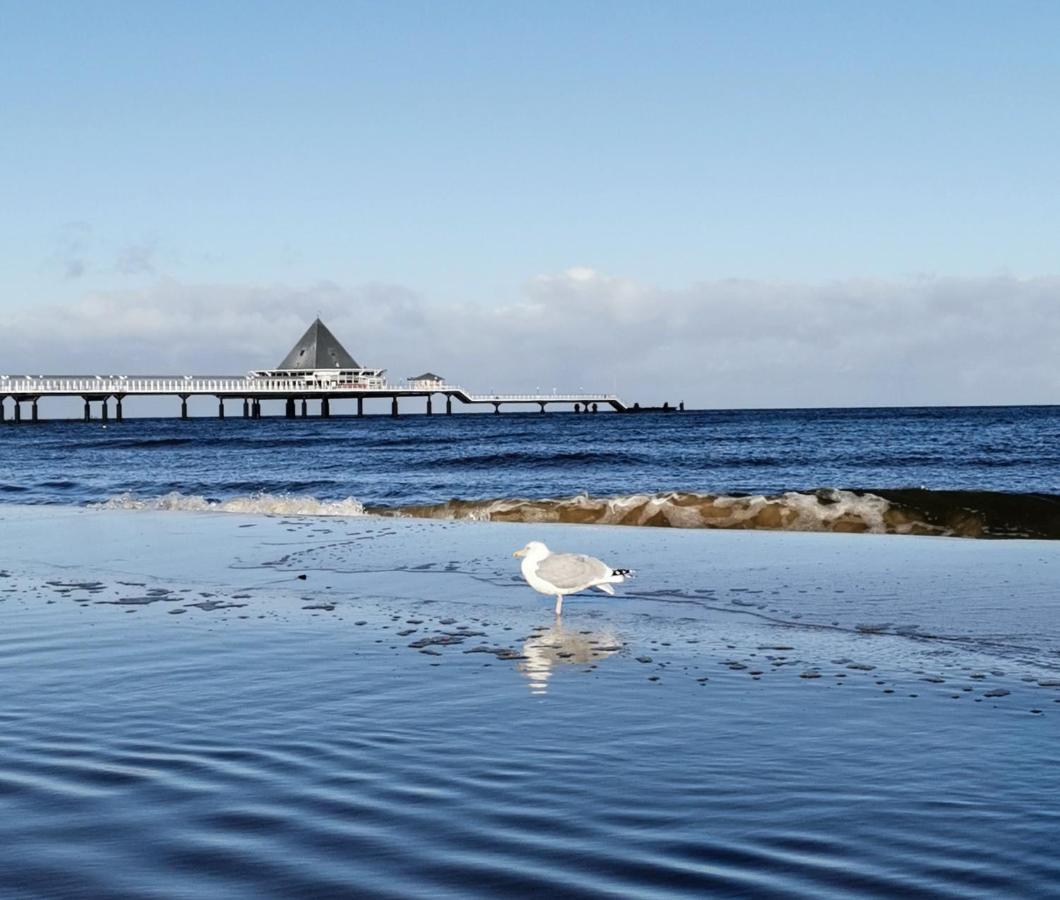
(318, 348)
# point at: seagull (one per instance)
(559, 574)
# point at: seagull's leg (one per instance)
(559, 604)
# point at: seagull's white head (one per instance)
(534, 549)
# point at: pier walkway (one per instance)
(294, 390)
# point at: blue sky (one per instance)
(460, 148)
(460, 151)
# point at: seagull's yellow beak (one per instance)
(520, 552)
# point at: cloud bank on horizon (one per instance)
(729, 343)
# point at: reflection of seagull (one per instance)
(559, 574)
(557, 646)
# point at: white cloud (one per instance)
(718, 344)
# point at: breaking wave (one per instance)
(973, 514)
(252, 504)
(912, 511)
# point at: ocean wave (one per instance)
(909, 511)
(912, 511)
(530, 459)
(841, 511)
(251, 504)
(129, 443)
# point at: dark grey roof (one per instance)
(318, 348)
(427, 376)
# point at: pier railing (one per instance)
(254, 386)
(198, 384)
(539, 398)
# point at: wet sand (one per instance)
(386, 702)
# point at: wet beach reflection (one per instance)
(551, 647)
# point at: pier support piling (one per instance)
(496, 409)
(429, 408)
(448, 405)
(246, 408)
(596, 408)
(220, 407)
(288, 408)
(119, 416)
(325, 408)
(393, 405)
(33, 415)
(183, 406)
(255, 409)
(18, 410)
(577, 407)
(360, 406)
(88, 410)
(104, 412)
(3, 408)
(542, 405)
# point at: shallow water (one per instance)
(767, 714)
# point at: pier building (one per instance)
(317, 370)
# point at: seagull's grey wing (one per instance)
(572, 571)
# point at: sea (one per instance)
(295, 658)
(970, 472)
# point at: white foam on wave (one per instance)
(812, 512)
(824, 510)
(253, 504)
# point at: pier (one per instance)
(318, 370)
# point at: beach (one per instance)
(581, 450)
(253, 706)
